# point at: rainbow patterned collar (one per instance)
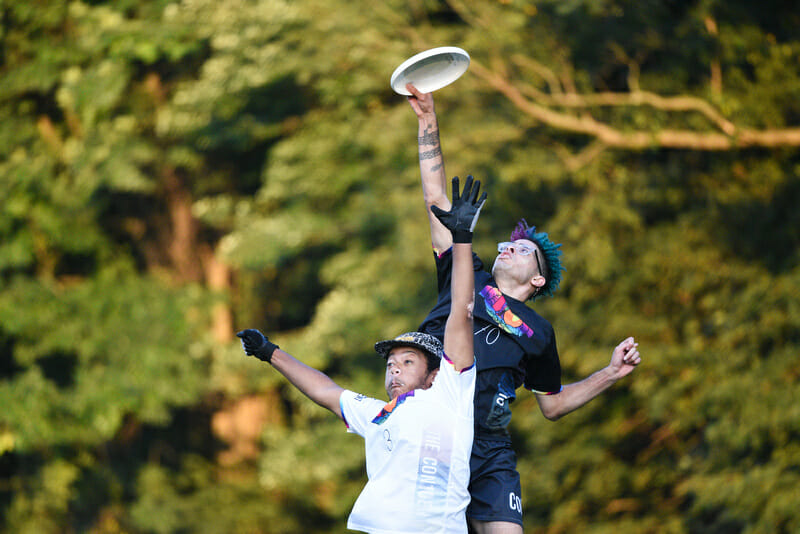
(387, 410)
(499, 311)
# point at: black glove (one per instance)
(256, 344)
(463, 214)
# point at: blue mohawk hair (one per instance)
(550, 251)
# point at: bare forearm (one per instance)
(314, 384)
(458, 330)
(431, 159)
(573, 396)
(434, 179)
(624, 359)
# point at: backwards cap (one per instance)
(425, 342)
(551, 253)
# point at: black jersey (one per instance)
(514, 346)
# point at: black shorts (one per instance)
(494, 483)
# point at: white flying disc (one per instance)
(430, 70)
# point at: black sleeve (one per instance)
(543, 370)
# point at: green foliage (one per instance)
(273, 122)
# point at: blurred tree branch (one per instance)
(546, 108)
(554, 100)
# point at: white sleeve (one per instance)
(358, 410)
(456, 387)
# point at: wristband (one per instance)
(462, 236)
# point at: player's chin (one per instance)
(502, 262)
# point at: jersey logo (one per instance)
(498, 310)
(515, 503)
(500, 412)
(387, 410)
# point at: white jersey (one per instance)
(418, 448)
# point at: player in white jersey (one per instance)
(418, 445)
(418, 448)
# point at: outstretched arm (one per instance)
(431, 165)
(460, 221)
(314, 384)
(572, 396)
(458, 336)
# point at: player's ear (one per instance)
(430, 377)
(538, 281)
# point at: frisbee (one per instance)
(430, 70)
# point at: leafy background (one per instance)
(172, 172)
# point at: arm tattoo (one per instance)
(430, 154)
(430, 137)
